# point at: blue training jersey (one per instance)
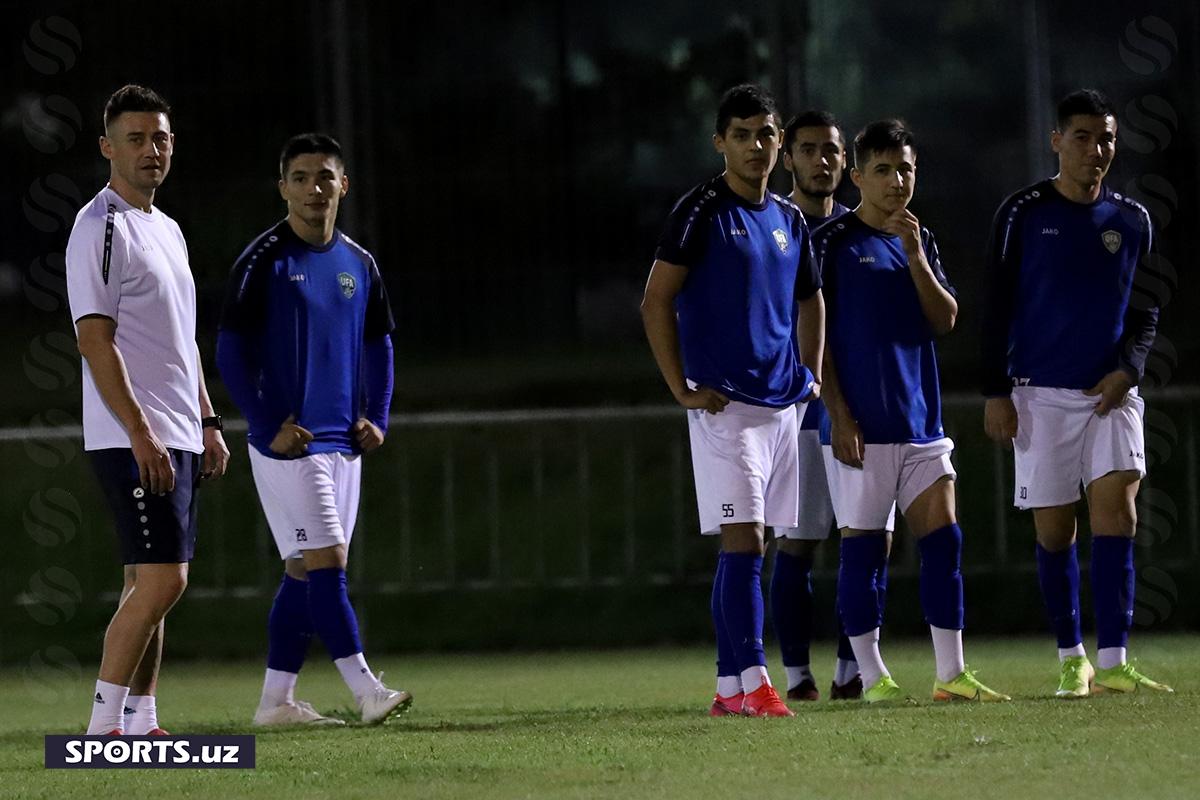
(1061, 311)
(880, 339)
(815, 411)
(307, 311)
(748, 266)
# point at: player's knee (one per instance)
(294, 567)
(745, 537)
(333, 557)
(164, 588)
(1120, 520)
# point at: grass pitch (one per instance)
(620, 724)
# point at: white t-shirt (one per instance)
(133, 267)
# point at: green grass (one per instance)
(619, 724)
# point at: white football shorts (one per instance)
(892, 474)
(745, 465)
(816, 506)
(310, 502)
(1062, 444)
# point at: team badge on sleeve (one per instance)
(781, 240)
(346, 281)
(1112, 240)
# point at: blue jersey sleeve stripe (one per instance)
(682, 239)
(238, 312)
(1002, 276)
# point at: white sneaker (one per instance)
(292, 713)
(383, 703)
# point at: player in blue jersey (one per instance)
(814, 152)
(732, 281)
(1064, 349)
(304, 349)
(888, 299)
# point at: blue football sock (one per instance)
(1112, 589)
(726, 657)
(858, 595)
(332, 615)
(792, 607)
(742, 608)
(941, 577)
(881, 580)
(289, 626)
(1058, 574)
(845, 652)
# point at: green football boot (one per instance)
(1124, 678)
(884, 690)
(965, 686)
(1075, 679)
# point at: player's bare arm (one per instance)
(216, 454)
(292, 439)
(662, 330)
(845, 434)
(1000, 420)
(811, 332)
(97, 343)
(938, 305)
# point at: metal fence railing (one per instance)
(526, 499)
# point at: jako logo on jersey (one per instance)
(1049, 231)
(1112, 241)
(780, 239)
(866, 259)
(299, 277)
(346, 281)
(738, 232)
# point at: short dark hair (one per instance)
(134, 98)
(812, 118)
(1088, 102)
(303, 143)
(744, 101)
(880, 137)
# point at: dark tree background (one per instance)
(511, 162)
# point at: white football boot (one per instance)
(383, 702)
(292, 713)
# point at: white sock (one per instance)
(797, 675)
(108, 708)
(754, 677)
(278, 688)
(1109, 657)
(866, 653)
(844, 671)
(1069, 652)
(729, 685)
(947, 652)
(141, 714)
(357, 675)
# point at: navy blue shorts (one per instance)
(151, 529)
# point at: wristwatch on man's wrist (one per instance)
(212, 422)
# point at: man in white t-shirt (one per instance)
(148, 424)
